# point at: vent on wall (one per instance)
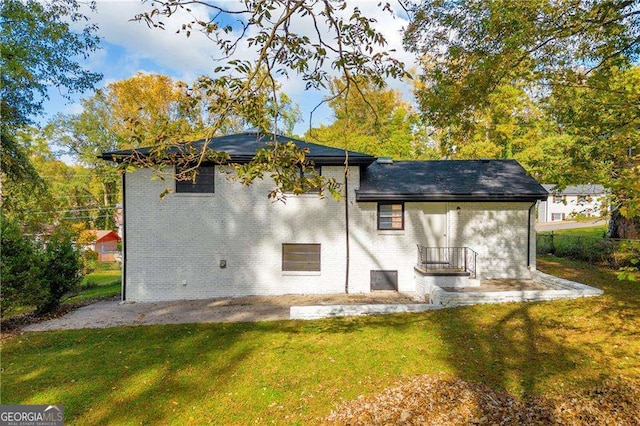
(384, 280)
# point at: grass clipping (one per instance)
(432, 400)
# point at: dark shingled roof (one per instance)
(243, 146)
(449, 180)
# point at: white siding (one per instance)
(570, 206)
(174, 246)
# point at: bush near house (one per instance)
(35, 273)
(61, 274)
(20, 267)
(589, 245)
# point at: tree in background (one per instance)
(67, 199)
(143, 110)
(264, 107)
(602, 115)
(560, 52)
(38, 51)
(509, 124)
(373, 120)
(472, 48)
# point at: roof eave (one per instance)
(119, 157)
(386, 196)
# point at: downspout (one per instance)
(529, 235)
(346, 221)
(124, 238)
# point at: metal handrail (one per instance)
(448, 258)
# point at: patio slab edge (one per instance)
(332, 311)
(559, 288)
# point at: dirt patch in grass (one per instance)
(435, 400)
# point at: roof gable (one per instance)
(106, 234)
(459, 180)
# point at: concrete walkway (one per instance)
(243, 309)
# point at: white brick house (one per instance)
(584, 200)
(233, 241)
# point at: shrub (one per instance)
(61, 274)
(623, 254)
(20, 269)
(33, 274)
(89, 260)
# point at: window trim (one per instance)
(188, 185)
(286, 269)
(313, 192)
(378, 217)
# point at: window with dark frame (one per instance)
(300, 257)
(203, 184)
(391, 216)
(318, 170)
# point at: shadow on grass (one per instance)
(531, 349)
(295, 371)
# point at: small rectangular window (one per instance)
(318, 170)
(558, 199)
(203, 184)
(308, 174)
(557, 216)
(391, 216)
(301, 257)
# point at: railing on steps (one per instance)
(462, 259)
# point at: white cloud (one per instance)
(132, 46)
(164, 47)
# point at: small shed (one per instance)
(106, 245)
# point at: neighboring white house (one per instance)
(219, 238)
(578, 200)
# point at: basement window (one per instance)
(301, 257)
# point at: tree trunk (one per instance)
(623, 227)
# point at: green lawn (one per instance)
(100, 284)
(295, 371)
(590, 232)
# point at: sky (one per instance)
(128, 47)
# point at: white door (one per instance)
(434, 225)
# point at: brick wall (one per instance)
(498, 232)
(174, 246)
